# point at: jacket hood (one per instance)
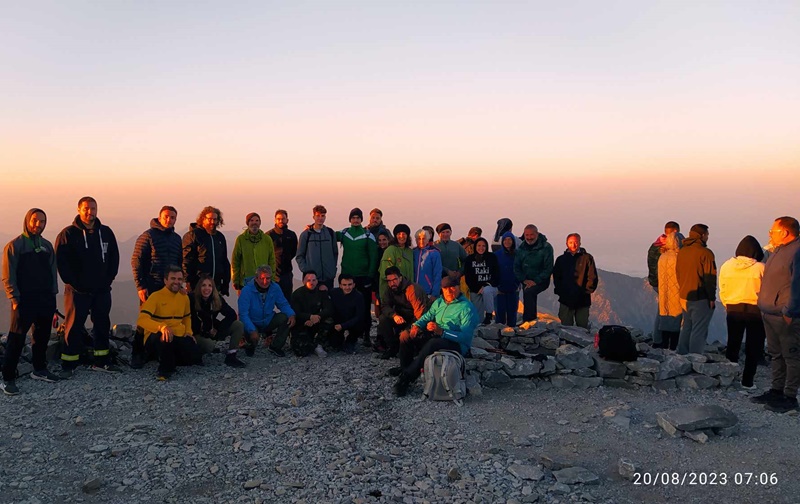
(742, 263)
(255, 238)
(155, 224)
(693, 240)
(503, 225)
(28, 214)
(660, 241)
(540, 243)
(509, 234)
(580, 251)
(78, 223)
(749, 247)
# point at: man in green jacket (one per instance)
(533, 266)
(360, 259)
(453, 254)
(252, 249)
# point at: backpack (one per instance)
(615, 343)
(444, 377)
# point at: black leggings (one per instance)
(423, 345)
(738, 323)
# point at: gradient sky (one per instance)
(605, 118)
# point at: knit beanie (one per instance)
(442, 227)
(356, 212)
(749, 247)
(250, 216)
(401, 228)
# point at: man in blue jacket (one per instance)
(257, 312)
(779, 302)
(449, 324)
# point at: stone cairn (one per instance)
(565, 357)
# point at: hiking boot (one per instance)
(163, 376)
(782, 404)
(395, 371)
(487, 319)
(321, 353)
(277, 352)
(9, 388)
(401, 386)
(350, 348)
(232, 361)
(767, 396)
(250, 349)
(388, 354)
(106, 368)
(137, 361)
(44, 375)
(66, 374)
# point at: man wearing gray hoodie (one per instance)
(779, 302)
(29, 277)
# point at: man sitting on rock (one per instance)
(314, 317)
(404, 304)
(167, 322)
(448, 325)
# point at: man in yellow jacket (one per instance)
(167, 322)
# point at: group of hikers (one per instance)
(759, 288)
(426, 298)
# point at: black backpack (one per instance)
(615, 343)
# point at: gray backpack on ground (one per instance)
(444, 377)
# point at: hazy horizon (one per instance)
(602, 118)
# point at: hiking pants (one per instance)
(423, 345)
(530, 310)
(79, 306)
(390, 332)
(696, 317)
(181, 351)
(338, 340)
(305, 339)
(35, 310)
(280, 326)
(506, 306)
(783, 345)
(574, 316)
(234, 330)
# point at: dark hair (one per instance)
(310, 272)
(749, 247)
(377, 211)
(319, 209)
(208, 210)
(482, 239)
(214, 299)
(281, 211)
(576, 235)
(672, 225)
(167, 208)
(345, 276)
(790, 224)
(172, 268)
(700, 229)
(392, 270)
(86, 199)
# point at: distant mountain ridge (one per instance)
(620, 299)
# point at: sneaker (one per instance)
(395, 371)
(748, 387)
(163, 376)
(321, 353)
(137, 361)
(782, 404)
(277, 352)
(767, 396)
(9, 388)
(66, 374)
(106, 368)
(232, 361)
(44, 375)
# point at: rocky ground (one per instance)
(329, 430)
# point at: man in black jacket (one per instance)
(87, 257)
(284, 241)
(348, 314)
(206, 251)
(574, 280)
(155, 250)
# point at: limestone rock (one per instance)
(526, 472)
(531, 332)
(620, 417)
(571, 357)
(524, 368)
(549, 341)
(665, 384)
(91, 485)
(478, 342)
(548, 366)
(489, 332)
(716, 368)
(609, 369)
(674, 365)
(564, 381)
(495, 378)
(695, 357)
(573, 475)
(585, 372)
(644, 365)
(626, 468)
(699, 436)
(694, 418)
(617, 383)
(696, 382)
(576, 335)
(251, 484)
(478, 353)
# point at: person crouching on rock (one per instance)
(207, 306)
(166, 318)
(449, 324)
(314, 317)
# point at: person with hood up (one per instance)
(670, 311)
(575, 280)
(87, 257)
(504, 226)
(427, 264)
(252, 249)
(653, 254)
(205, 250)
(360, 259)
(697, 279)
(739, 285)
(155, 250)
(507, 299)
(533, 266)
(29, 278)
(481, 272)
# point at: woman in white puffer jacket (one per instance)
(739, 284)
